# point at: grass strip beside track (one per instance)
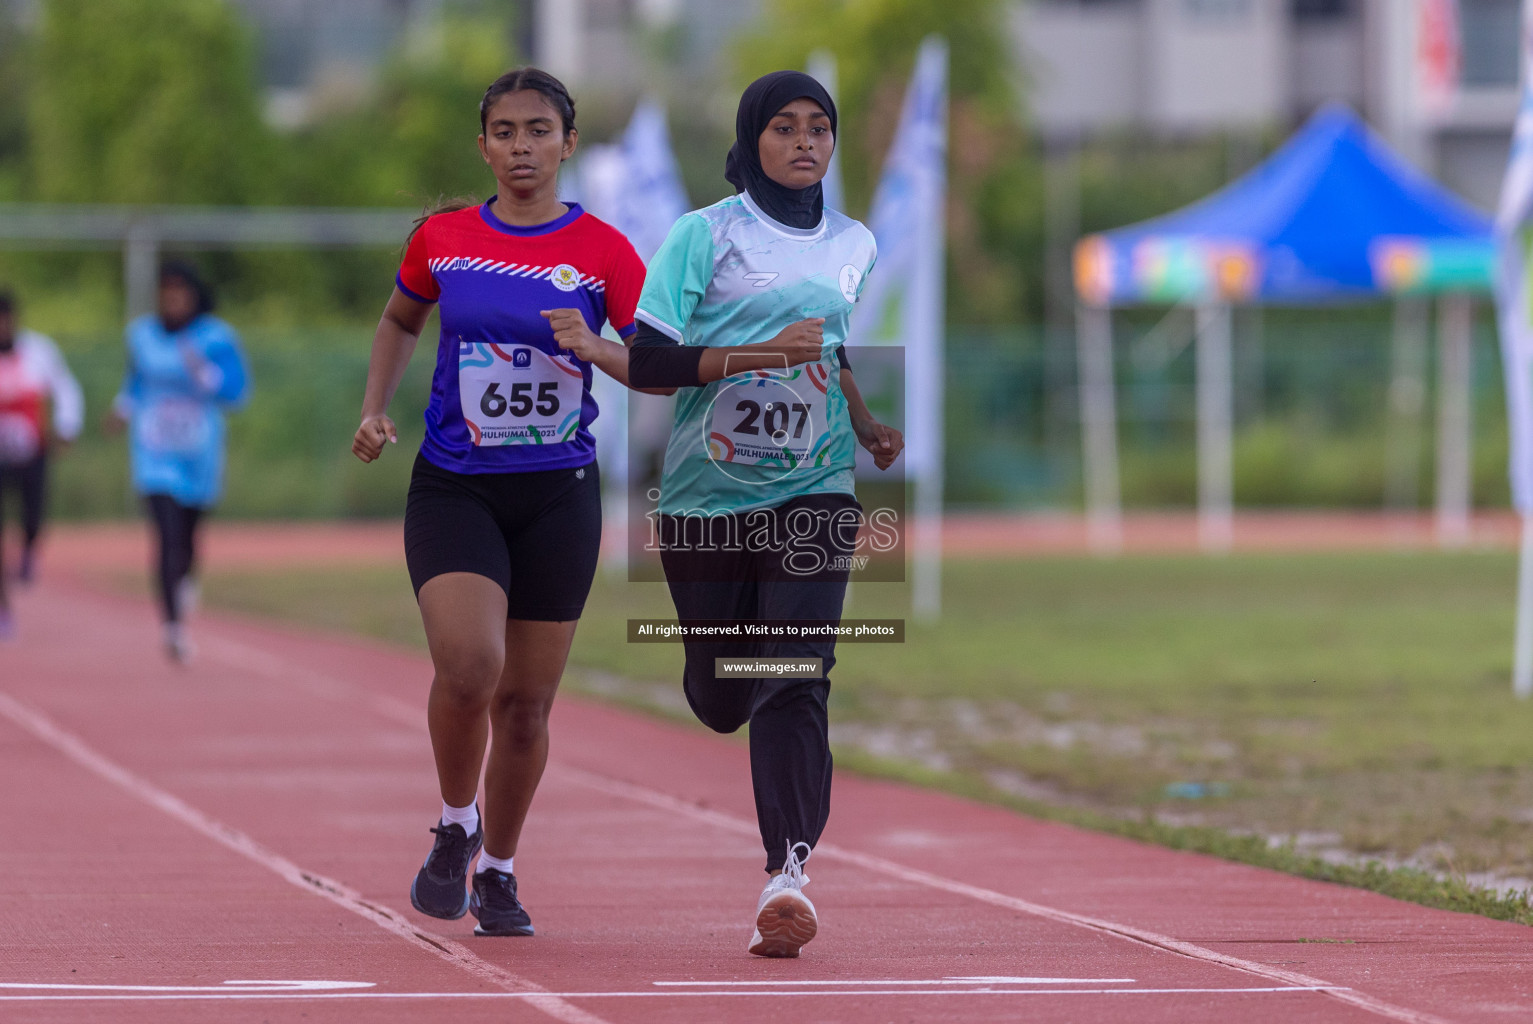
(1341, 717)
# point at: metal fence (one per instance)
(1311, 415)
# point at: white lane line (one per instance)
(455, 953)
(246, 656)
(930, 981)
(888, 868)
(682, 994)
(228, 986)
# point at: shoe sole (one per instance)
(416, 903)
(784, 925)
(480, 930)
(467, 893)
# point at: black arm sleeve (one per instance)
(656, 361)
(846, 364)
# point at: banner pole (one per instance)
(1522, 663)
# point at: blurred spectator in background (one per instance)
(32, 375)
(185, 368)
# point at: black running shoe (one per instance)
(495, 904)
(439, 888)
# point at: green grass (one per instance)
(1354, 704)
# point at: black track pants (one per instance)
(175, 528)
(29, 480)
(789, 742)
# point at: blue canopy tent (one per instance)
(1333, 216)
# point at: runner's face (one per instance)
(524, 141)
(178, 302)
(796, 146)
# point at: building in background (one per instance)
(1437, 77)
(323, 54)
(319, 56)
(603, 43)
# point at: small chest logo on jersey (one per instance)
(565, 277)
(761, 278)
(521, 358)
(851, 280)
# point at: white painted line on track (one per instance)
(731, 993)
(929, 981)
(228, 986)
(246, 657)
(455, 953)
(890, 869)
(879, 981)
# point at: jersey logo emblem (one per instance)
(851, 280)
(565, 277)
(761, 278)
(521, 358)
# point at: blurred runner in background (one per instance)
(185, 369)
(33, 374)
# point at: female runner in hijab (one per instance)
(745, 309)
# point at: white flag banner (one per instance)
(1514, 231)
(822, 68)
(1514, 313)
(635, 185)
(903, 302)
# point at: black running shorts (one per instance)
(536, 534)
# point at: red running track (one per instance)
(234, 842)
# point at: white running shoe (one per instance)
(188, 596)
(785, 919)
(178, 648)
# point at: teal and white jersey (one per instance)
(730, 275)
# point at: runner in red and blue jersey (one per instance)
(498, 356)
(503, 518)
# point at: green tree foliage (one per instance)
(14, 68)
(145, 101)
(416, 139)
(995, 186)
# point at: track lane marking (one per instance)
(652, 994)
(78, 751)
(928, 981)
(244, 656)
(228, 986)
(878, 865)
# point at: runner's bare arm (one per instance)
(883, 441)
(393, 344)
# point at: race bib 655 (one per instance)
(518, 394)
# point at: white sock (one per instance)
(468, 817)
(486, 862)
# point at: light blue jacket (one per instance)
(174, 394)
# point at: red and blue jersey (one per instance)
(504, 397)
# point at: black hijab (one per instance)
(762, 99)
